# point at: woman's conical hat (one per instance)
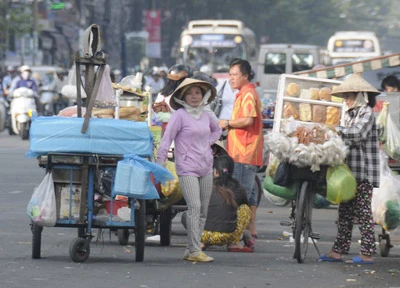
(182, 88)
(355, 83)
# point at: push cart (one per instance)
(75, 177)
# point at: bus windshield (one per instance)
(215, 51)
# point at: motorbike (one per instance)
(51, 101)
(3, 113)
(22, 108)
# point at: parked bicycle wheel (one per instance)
(302, 229)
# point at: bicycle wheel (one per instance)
(258, 189)
(303, 222)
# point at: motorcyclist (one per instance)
(27, 82)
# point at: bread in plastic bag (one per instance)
(42, 206)
(341, 185)
(386, 199)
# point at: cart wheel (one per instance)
(123, 236)
(165, 226)
(384, 247)
(77, 250)
(140, 229)
(36, 240)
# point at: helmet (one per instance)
(204, 77)
(24, 68)
(178, 72)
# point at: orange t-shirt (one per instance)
(245, 145)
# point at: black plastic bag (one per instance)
(282, 175)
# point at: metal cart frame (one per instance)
(80, 169)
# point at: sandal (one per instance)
(240, 249)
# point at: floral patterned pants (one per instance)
(223, 238)
(360, 208)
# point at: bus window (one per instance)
(275, 63)
(302, 61)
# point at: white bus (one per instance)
(210, 45)
(350, 46)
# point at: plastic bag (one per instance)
(341, 185)
(70, 89)
(42, 206)
(282, 174)
(105, 96)
(392, 144)
(287, 193)
(276, 200)
(386, 199)
(172, 185)
(132, 178)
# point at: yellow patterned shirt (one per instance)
(245, 145)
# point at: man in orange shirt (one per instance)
(245, 135)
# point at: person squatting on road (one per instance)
(228, 211)
(361, 136)
(194, 130)
(245, 135)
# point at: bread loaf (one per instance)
(125, 112)
(305, 112)
(332, 115)
(304, 94)
(325, 94)
(314, 93)
(102, 111)
(289, 109)
(293, 90)
(319, 113)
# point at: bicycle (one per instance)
(301, 210)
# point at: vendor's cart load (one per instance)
(301, 137)
(104, 136)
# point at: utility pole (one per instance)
(35, 31)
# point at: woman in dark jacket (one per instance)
(228, 212)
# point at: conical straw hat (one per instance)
(180, 91)
(355, 83)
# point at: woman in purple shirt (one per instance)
(194, 130)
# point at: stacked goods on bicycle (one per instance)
(316, 148)
(303, 144)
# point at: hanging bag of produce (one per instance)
(386, 199)
(341, 185)
(42, 206)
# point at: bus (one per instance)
(210, 45)
(350, 46)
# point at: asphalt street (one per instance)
(113, 265)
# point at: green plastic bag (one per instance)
(340, 183)
(288, 193)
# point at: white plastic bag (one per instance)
(70, 89)
(386, 199)
(105, 96)
(392, 144)
(42, 206)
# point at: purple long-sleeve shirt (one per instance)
(193, 138)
